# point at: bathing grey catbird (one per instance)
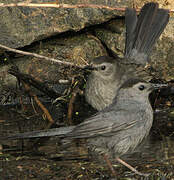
(109, 73)
(117, 129)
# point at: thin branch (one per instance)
(39, 103)
(41, 57)
(25, 4)
(56, 5)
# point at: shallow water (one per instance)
(45, 159)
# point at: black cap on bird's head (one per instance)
(141, 85)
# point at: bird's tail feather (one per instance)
(142, 34)
(61, 132)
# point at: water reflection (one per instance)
(155, 155)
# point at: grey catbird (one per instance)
(109, 73)
(117, 129)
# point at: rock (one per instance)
(20, 26)
(74, 48)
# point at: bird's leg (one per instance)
(109, 164)
(130, 167)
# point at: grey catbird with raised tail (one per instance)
(117, 129)
(109, 73)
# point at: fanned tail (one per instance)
(142, 33)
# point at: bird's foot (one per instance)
(131, 168)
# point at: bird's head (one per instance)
(137, 88)
(103, 67)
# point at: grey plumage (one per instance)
(130, 109)
(141, 36)
(117, 129)
(110, 73)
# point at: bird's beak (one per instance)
(159, 86)
(90, 68)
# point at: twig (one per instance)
(44, 109)
(31, 81)
(54, 5)
(27, 81)
(70, 6)
(41, 57)
(71, 105)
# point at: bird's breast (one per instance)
(100, 93)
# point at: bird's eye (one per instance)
(141, 87)
(103, 68)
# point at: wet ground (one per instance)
(46, 159)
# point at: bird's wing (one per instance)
(106, 123)
(101, 124)
(142, 34)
